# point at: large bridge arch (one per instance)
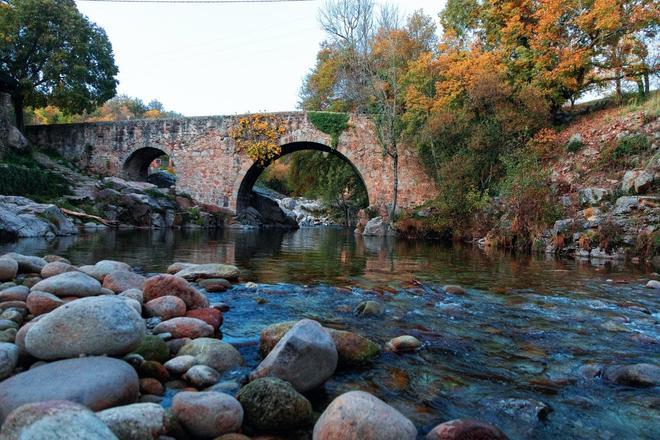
(248, 177)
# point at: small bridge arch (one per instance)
(136, 165)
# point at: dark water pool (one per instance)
(522, 330)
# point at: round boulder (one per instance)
(140, 421)
(211, 316)
(153, 348)
(210, 271)
(465, 429)
(120, 281)
(39, 303)
(26, 264)
(56, 268)
(8, 358)
(96, 382)
(207, 414)
(184, 328)
(166, 307)
(8, 269)
(271, 404)
(76, 284)
(54, 419)
(357, 415)
(90, 326)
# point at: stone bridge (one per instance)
(208, 165)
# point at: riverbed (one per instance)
(522, 330)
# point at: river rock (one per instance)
(8, 269)
(653, 284)
(272, 405)
(378, 227)
(305, 357)
(26, 264)
(369, 308)
(91, 326)
(164, 285)
(178, 267)
(120, 281)
(165, 307)
(352, 348)
(525, 410)
(357, 415)
(207, 414)
(56, 268)
(153, 348)
(215, 284)
(184, 328)
(135, 294)
(140, 421)
(453, 289)
(151, 386)
(105, 267)
(39, 303)
(465, 429)
(637, 375)
(202, 376)
(180, 364)
(70, 284)
(96, 382)
(208, 271)
(214, 353)
(211, 316)
(16, 293)
(8, 358)
(54, 420)
(403, 344)
(50, 258)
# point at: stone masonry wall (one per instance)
(207, 164)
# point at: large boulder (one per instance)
(352, 348)
(465, 429)
(207, 414)
(357, 415)
(271, 405)
(305, 357)
(26, 263)
(70, 284)
(213, 353)
(140, 421)
(54, 420)
(96, 382)
(211, 270)
(171, 285)
(91, 326)
(22, 217)
(378, 227)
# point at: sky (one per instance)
(217, 59)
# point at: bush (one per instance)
(37, 184)
(330, 123)
(630, 145)
(574, 144)
(609, 236)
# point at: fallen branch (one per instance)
(89, 216)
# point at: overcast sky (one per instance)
(217, 59)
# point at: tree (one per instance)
(55, 55)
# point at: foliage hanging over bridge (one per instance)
(258, 136)
(330, 123)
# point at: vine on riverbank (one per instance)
(258, 136)
(330, 123)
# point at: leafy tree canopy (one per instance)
(55, 55)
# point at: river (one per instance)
(522, 330)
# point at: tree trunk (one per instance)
(647, 84)
(17, 99)
(395, 196)
(640, 87)
(619, 92)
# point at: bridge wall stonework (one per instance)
(209, 167)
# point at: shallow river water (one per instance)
(522, 330)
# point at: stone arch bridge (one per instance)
(208, 165)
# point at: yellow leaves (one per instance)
(258, 136)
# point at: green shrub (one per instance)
(574, 144)
(630, 145)
(330, 123)
(37, 184)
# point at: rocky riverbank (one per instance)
(102, 351)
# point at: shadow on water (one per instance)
(524, 327)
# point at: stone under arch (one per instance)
(247, 181)
(136, 166)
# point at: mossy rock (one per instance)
(153, 348)
(272, 405)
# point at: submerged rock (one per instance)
(96, 382)
(357, 415)
(637, 375)
(465, 429)
(91, 326)
(369, 308)
(403, 344)
(305, 357)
